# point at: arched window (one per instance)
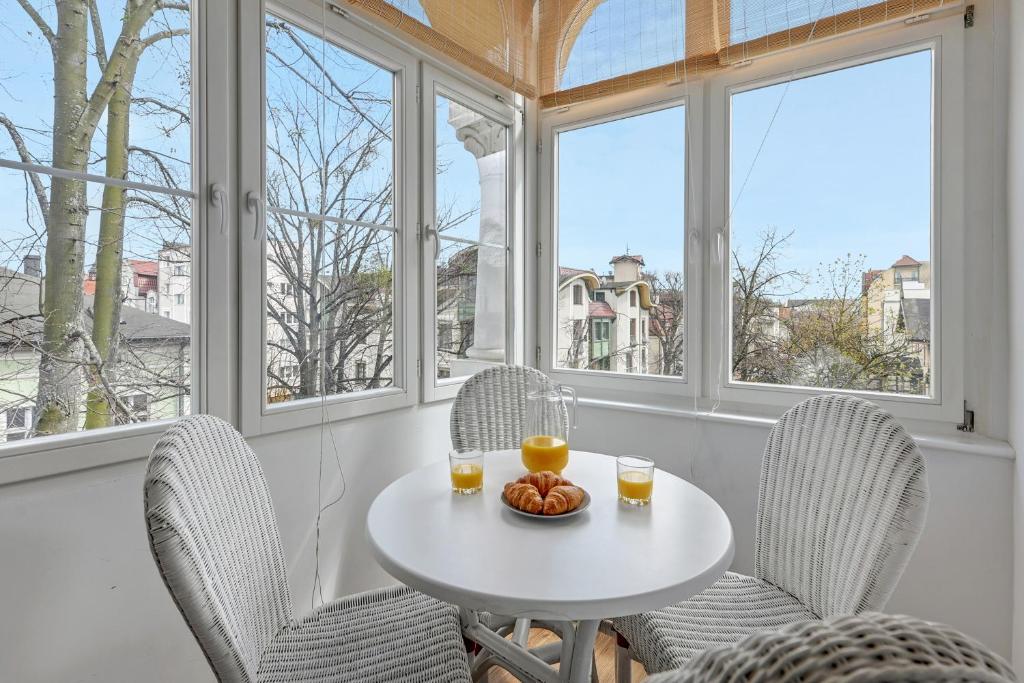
(624, 36)
(414, 8)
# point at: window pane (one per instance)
(621, 234)
(750, 19)
(98, 337)
(625, 36)
(330, 278)
(471, 195)
(338, 313)
(330, 147)
(152, 114)
(831, 229)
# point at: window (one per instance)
(615, 40)
(832, 288)
(137, 407)
(599, 296)
(19, 422)
(179, 299)
(179, 270)
(138, 198)
(361, 370)
(467, 200)
(599, 345)
(577, 295)
(620, 226)
(335, 242)
(632, 332)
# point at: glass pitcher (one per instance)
(546, 434)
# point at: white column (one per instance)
(486, 140)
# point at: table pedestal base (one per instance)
(575, 653)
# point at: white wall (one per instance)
(81, 598)
(961, 573)
(1014, 77)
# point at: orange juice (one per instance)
(467, 478)
(635, 487)
(545, 453)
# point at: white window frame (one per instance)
(494, 106)
(212, 262)
(637, 386)
(257, 417)
(945, 38)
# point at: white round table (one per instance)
(611, 560)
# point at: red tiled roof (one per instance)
(868, 277)
(600, 309)
(906, 261)
(143, 267)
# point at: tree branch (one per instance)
(26, 157)
(97, 32)
(44, 28)
(151, 40)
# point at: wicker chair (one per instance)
(490, 408)
(214, 537)
(842, 502)
(867, 648)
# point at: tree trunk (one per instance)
(109, 253)
(60, 358)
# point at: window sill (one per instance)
(36, 458)
(930, 437)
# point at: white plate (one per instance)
(582, 506)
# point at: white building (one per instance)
(604, 321)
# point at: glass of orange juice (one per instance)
(635, 479)
(467, 471)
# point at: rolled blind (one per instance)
(594, 48)
(495, 38)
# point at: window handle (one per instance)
(432, 234)
(719, 245)
(254, 205)
(218, 197)
(694, 247)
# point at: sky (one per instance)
(845, 165)
(26, 97)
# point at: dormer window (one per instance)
(577, 295)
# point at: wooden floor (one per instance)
(605, 651)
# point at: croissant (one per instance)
(525, 497)
(544, 481)
(562, 499)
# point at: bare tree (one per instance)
(331, 311)
(825, 341)
(668, 316)
(71, 339)
(831, 342)
(758, 286)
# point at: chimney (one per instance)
(32, 265)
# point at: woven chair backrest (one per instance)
(214, 537)
(842, 502)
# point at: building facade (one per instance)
(613, 321)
